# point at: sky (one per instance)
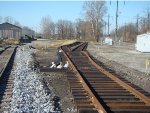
(30, 13)
(128, 11)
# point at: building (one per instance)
(143, 43)
(8, 30)
(108, 41)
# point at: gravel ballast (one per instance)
(56, 81)
(125, 60)
(29, 92)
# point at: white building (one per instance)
(143, 43)
(108, 41)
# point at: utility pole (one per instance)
(144, 21)
(148, 22)
(125, 32)
(116, 35)
(108, 25)
(137, 25)
(105, 29)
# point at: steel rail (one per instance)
(75, 47)
(93, 98)
(120, 82)
(111, 93)
(1, 73)
(6, 83)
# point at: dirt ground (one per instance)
(57, 81)
(122, 58)
(125, 60)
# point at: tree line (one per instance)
(9, 20)
(129, 31)
(92, 26)
(88, 28)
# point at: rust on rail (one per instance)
(96, 87)
(96, 103)
(120, 82)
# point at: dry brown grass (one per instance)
(11, 41)
(1, 41)
(44, 44)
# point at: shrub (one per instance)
(11, 41)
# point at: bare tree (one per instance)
(144, 22)
(60, 29)
(48, 27)
(147, 16)
(83, 30)
(8, 19)
(17, 23)
(69, 29)
(127, 33)
(1, 19)
(79, 31)
(65, 29)
(131, 33)
(94, 12)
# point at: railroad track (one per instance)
(3, 48)
(97, 89)
(6, 81)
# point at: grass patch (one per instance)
(10, 41)
(44, 44)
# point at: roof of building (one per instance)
(7, 25)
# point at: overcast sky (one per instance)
(30, 13)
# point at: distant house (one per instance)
(8, 30)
